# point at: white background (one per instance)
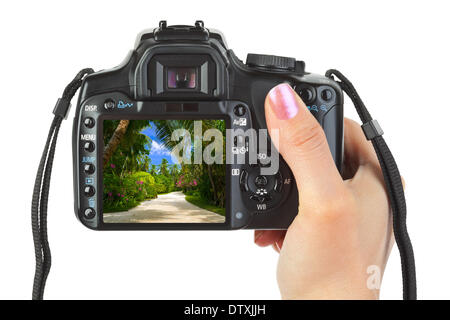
(397, 54)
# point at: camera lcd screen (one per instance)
(164, 171)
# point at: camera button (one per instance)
(261, 181)
(89, 146)
(89, 213)
(307, 95)
(89, 191)
(239, 110)
(239, 215)
(243, 180)
(109, 104)
(89, 122)
(89, 168)
(239, 141)
(260, 197)
(326, 95)
(278, 182)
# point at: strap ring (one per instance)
(372, 129)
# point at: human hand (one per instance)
(344, 224)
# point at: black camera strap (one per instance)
(370, 127)
(42, 185)
(393, 182)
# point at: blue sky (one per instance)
(157, 150)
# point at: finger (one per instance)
(278, 245)
(302, 143)
(264, 238)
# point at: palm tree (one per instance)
(115, 141)
(163, 167)
(126, 134)
(165, 129)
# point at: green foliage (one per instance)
(134, 149)
(166, 183)
(127, 191)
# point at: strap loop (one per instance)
(372, 129)
(62, 108)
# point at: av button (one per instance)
(89, 213)
(89, 191)
(89, 146)
(239, 110)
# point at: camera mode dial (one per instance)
(264, 61)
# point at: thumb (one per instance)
(303, 144)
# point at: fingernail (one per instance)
(278, 248)
(258, 234)
(283, 101)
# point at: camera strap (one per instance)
(42, 185)
(371, 129)
(393, 182)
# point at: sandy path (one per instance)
(167, 208)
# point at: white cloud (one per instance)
(159, 148)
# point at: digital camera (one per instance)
(150, 136)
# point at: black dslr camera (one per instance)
(148, 136)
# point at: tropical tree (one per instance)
(164, 167)
(115, 140)
(213, 172)
(125, 141)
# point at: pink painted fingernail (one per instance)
(283, 101)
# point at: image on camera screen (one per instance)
(164, 171)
